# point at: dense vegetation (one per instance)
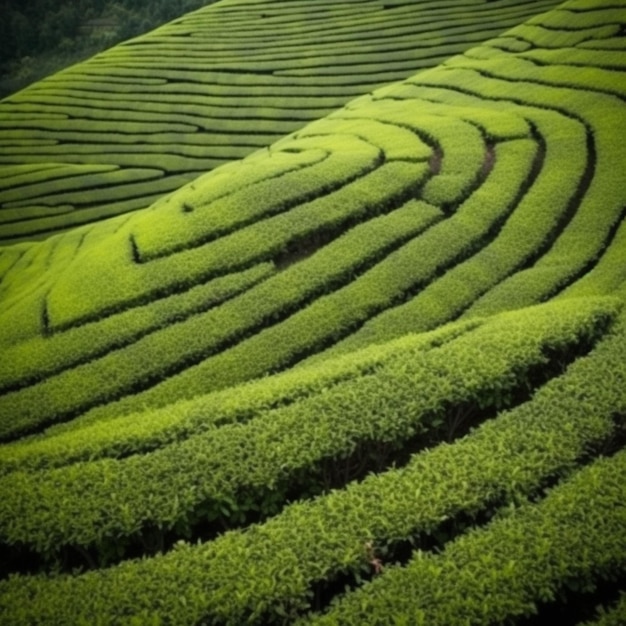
(140, 120)
(39, 35)
(42, 25)
(297, 346)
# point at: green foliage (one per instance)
(611, 615)
(89, 438)
(117, 369)
(267, 569)
(609, 275)
(166, 386)
(307, 170)
(153, 101)
(501, 571)
(38, 356)
(448, 242)
(168, 487)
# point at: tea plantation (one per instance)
(111, 135)
(292, 334)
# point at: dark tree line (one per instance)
(34, 27)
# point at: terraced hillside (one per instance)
(374, 373)
(113, 134)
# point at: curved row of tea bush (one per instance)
(51, 345)
(210, 88)
(266, 572)
(578, 109)
(180, 346)
(89, 438)
(608, 275)
(324, 170)
(526, 230)
(36, 358)
(239, 464)
(318, 195)
(365, 441)
(503, 570)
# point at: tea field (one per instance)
(113, 134)
(313, 313)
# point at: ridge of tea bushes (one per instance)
(582, 232)
(88, 439)
(607, 275)
(471, 226)
(523, 235)
(27, 362)
(165, 488)
(156, 261)
(500, 571)
(403, 280)
(116, 370)
(271, 195)
(265, 573)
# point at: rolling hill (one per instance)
(113, 134)
(301, 344)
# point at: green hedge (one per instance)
(540, 37)
(128, 183)
(149, 152)
(176, 347)
(519, 69)
(608, 275)
(16, 176)
(256, 575)
(195, 94)
(189, 114)
(572, 537)
(451, 241)
(582, 17)
(494, 125)
(461, 144)
(92, 436)
(505, 43)
(9, 257)
(169, 163)
(185, 111)
(286, 428)
(311, 168)
(112, 499)
(219, 140)
(244, 247)
(389, 71)
(528, 229)
(114, 124)
(74, 218)
(396, 142)
(281, 342)
(35, 358)
(155, 86)
(608, 44)
(584, 237)
(582, 56)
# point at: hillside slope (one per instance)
(372, 374)
(490, 183)
(113, 134)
